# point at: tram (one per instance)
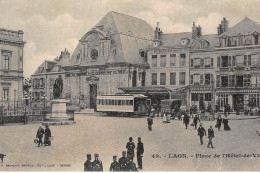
(123, 105)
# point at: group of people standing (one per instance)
(47, 136)
(125, 163)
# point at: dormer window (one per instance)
(184, 41)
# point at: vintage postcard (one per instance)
(129, 85)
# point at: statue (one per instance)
(57, 87)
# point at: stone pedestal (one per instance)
(60, 115)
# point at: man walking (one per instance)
(88, 164)
(114, 167)
(201, 133)
(195, 121)
(97, 164)
(219, 121)
(150, 123)
(139, 153)
(123, 161)
(39, 135)
(210, 136)
(130, 148)
(186, 119)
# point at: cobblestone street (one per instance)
(109, 135)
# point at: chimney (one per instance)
(194, 31)
(199, 31)
(223, 26)
(158, 33)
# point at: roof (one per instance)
(175, 39)
(127, 35)
(244, 27)
(212, 39)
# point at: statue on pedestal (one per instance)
(57, 87)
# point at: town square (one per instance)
(129, 86)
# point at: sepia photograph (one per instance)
(129, 85)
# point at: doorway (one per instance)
(238, 102)
(93, 96)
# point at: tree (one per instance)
(27, 84)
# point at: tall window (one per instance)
(197, 62)
(194, 97)
(207, 62)
(201, 62)
(231, 81)
(207, 79)
(6, 62)
(191, 79)
(182, 78)
(154, 78)
(196, 79)
(182, 59)
(163, 61)
(247, 60)
(208, 97)
(172, 78)
(154, 60)
(162, 79)
(191, 63)
(6, 94)
(247, 78)
(224, 81)
(173, 60)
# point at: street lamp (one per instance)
(44, 98)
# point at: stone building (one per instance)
(238, 65)
(11, 68)
(107, 58)
(43, 80)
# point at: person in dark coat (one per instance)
(47, 136)
(39, 135)
(186, 120)
(114, 167)
(195, 121)
(123, 161)
(97, 164)
(219, 121)
(201, 133)
(130, 148)
(88, 164)
(131, 167)
(139, 153)
(210, 136)
(150, 123)
(225, 122)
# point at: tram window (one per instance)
(119, 102)
(116, 102)
(110, 102)
(123, 102)
(99, 101)
(127, 102)
(131, 102)
(113, 102)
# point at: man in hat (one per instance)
(210, 136)
(114, 167)
(195, 121)
(130, 148)
(139, 153)
(97, 164)
(201, 133)
(39, 135)
(88, 164)
(150, 122)
(123, 162)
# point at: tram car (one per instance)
(123, 105)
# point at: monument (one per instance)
(60, 114)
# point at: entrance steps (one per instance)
(85, 111)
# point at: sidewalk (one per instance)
(233, 116)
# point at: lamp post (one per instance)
(44, 98)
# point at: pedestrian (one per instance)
(164, 117)
(130, 148)
(225, 122)
(139, 153)
(88, 164)
(219, 121)
(228, 109)
(97, 164)
(225, 109)
(150, 123)
(47, 141)
(131, 166)
(39, 135)
(186, 119)
(210, 136)
(114, 167)
(123, 161)
(195, 121)
(201, 133)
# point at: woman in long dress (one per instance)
(225, 122)
(47, 132)
(164, 117)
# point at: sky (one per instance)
(50, 26)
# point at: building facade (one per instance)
(11, 68)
